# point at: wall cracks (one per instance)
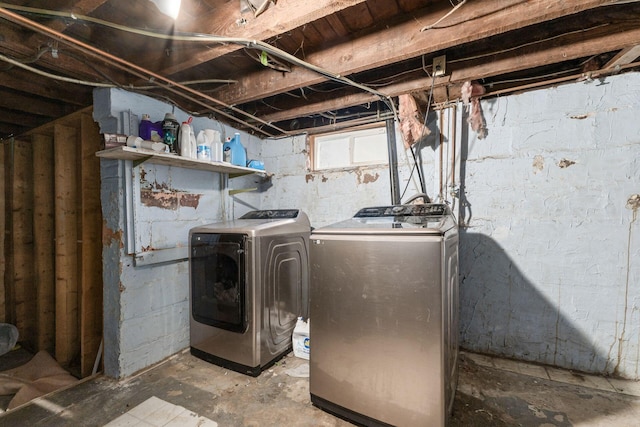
(633, 203)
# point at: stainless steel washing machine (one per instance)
(384, 316)
(249, 283)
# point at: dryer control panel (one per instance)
(271, 214)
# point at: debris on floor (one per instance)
(41, 375)
(491, 392)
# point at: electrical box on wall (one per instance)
(439, 65)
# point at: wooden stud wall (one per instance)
(3, 222)
(51, 273)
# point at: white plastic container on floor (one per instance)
(300, 339)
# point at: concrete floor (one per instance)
(186, 391)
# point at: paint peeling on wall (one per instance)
(109, 235)
(190, 200)
(633, 203)
(159, 199)
(159, 195)
(581, 116)
(309, 177)
(365, 177)
(565, 163)
(538, 163)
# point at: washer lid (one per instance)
(409, 219)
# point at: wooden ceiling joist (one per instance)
(395, 43)
(278, 19)
(624, 57)
(582, 45)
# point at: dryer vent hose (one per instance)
(425, 198)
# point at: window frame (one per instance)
(313, 148)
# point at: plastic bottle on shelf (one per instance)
(203, 144)
(187, 140)
(170, 127)
(234, 151)
(216, 145)
(148, 130)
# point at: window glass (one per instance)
(350, 148)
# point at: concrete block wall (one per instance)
(550, 265)
(548, 207)
(146, 307)
(332, 195)
(549, 248)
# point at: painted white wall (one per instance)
(146, 307)
(550, 265)
(331, 195)
(549, 248)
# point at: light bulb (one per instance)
(168, 7)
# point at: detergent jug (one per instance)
(234, 152)
(187, 140)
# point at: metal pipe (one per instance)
(161, 81)
(441, 150)
(453, 145)
(393, 161)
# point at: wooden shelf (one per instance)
(140, 155)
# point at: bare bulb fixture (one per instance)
(168, 7)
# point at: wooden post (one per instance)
(66, 244)
(43, 241)
(91, 245)
(22, 244)
(3, 224)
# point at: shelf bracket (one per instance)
(241, 190)
(138, 162)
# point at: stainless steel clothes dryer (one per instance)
(249, 281)
(384, 311)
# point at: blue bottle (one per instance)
(234, 152)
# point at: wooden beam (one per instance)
(10, 130)
(16, 118)
(15, 46)
(403, 40)
(66, 244)
(624, 57)
(575, 46)
(33, 105)
(279, 18)
(90, 217)
(23, 81)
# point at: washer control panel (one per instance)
(403, 210)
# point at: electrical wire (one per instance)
(23, 64)
(201, 37)
(53, 76)
(520, 46)
(415, 166)
(161, 81)
(456, 7)
(29, 60)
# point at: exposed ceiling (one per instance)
(294, 65)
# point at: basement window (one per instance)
(350, 148)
